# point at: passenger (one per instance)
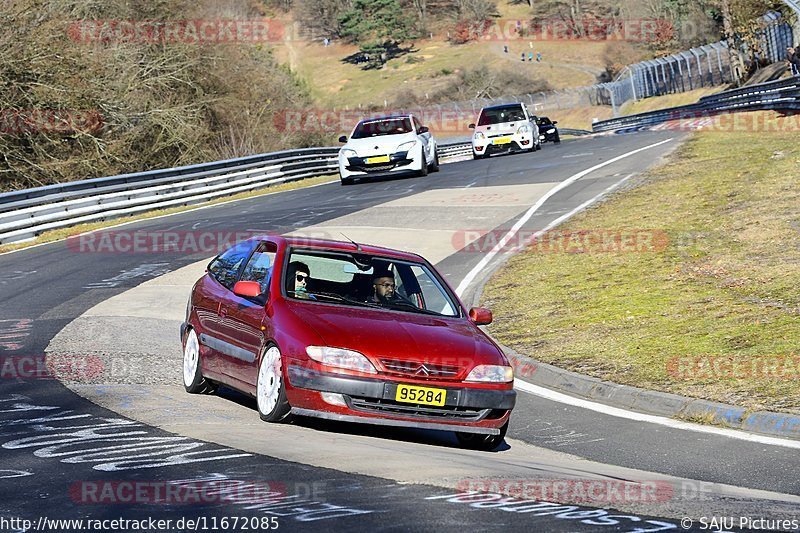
(299, 273)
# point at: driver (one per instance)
(385, 289)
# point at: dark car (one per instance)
(346, 332)
(548, 130)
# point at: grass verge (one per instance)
(713, 314)
(63, 233)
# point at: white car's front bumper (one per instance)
(503, 143)
(377, 164)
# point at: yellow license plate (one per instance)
(421, 395)
(502, 140)
(379, 159)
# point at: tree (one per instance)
(379, 26)
(321, 17)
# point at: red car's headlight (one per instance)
(340, 358)
(491, 374)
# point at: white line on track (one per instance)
(652, 419)
(587, 404)
(470, 277)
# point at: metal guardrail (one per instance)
(571, 131)
(27, 213)
(776, 95)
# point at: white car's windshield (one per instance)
(499, 115)
(366, 281)
(375, 128)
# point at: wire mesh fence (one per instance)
(710, 65)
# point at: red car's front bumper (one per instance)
(372, 401)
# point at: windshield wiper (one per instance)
(346, 299)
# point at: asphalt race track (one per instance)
(66, 457)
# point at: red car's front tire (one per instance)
(270, 388)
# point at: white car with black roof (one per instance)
(505, 128)
(397, 144)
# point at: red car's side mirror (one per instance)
(247, 289)
(481, 316)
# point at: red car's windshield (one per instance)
(366, 281)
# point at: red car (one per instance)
(349, 332)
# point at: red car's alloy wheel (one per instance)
(270, 392)
(193, 380)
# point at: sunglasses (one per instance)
(302, 277)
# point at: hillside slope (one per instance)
(80, 102)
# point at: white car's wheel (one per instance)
(423, 171)
(193, 380)
(435, 164)
(270, 392)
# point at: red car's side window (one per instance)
(259, 267)
(225, 268)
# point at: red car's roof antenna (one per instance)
(358, 246)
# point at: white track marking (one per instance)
(588, 404)
(652, 419)
(470, 277)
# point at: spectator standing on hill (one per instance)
(538, 57)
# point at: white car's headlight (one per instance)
(551, 130)
(406, 147)
(524, 129)
(340, 358)
(479, 136)
(491, 374)
(348, 153)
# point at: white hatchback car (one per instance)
(388, 145)
(505, 128)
